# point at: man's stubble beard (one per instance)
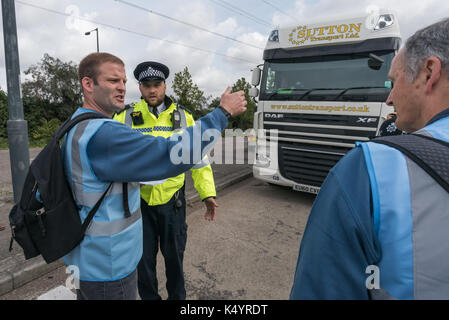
(157, 104)
(107, 106)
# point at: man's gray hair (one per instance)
(431, 41)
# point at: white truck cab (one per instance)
(322, 89)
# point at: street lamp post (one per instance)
(17, 127)
(98, 44)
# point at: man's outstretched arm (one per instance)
(118, 153)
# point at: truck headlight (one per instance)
(262, 160)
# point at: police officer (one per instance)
(388, 127)
(163, 205)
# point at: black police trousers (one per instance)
(164, 226)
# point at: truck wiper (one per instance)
(316, 89)
(279, 91)
(309, 91)
(355, 88)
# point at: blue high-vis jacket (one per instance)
(100, 151)
(377, 210)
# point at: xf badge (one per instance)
(366, 120)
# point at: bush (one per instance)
(46, 130)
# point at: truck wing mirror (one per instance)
(375, 62)
(255, 80)
(253, 92)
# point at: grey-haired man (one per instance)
(378, 228)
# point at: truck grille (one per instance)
(304, 165)
(310, 145)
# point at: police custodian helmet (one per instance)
(151, 71)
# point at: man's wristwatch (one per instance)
(225, 112)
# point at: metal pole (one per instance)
(17, 127)
(98, 43)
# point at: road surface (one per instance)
(248, 253)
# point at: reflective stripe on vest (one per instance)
(128, 118)
(99, 228)
(393, 222)
(112, 246)
(89, 199)
(183, 119)
(412, 219)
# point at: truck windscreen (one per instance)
(348, 77)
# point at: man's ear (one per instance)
(432, 70)
(87, 84)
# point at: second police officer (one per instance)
(163, 205)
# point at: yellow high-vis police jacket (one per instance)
(203, 179)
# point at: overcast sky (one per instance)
(137, 34)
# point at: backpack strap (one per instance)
(70, 123)
(125, 200)
(431, 154)
(92, 212)
(66, 127)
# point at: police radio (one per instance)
(137, 118)
(176, 119)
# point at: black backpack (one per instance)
(52, 227)
(431, 154)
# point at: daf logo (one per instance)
(274, 115)
(366, 120)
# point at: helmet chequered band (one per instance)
(150, 72)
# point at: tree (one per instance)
(4, 115)
(214, 103)
(188, 94)
(45, 131)
(35, 111)
(56, 83)
(50, 96)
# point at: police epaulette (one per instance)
(126, 107)
(184, 108)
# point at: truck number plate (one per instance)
(304, 188)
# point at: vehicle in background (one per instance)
(322, 89)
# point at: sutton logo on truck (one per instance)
(302, 34)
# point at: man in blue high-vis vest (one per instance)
(378, 227)
(99, 152)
